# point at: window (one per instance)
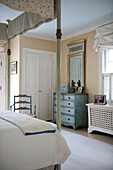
(107, 74)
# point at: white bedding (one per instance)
(27, 124)
(20, 152)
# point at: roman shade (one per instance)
(104, 37)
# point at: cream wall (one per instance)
(33, 43)
(91, 64)
(6, 81)
(14, 79)
(91, 60)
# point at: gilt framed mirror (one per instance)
(76, 65)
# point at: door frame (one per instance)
(3, 57)
(40, 52)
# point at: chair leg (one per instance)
(55, 168)
(35, 111)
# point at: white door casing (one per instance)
(2, 81)
(39, 71)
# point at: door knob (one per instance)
(39, 90)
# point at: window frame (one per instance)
(101, 75)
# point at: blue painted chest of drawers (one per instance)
(73, 109)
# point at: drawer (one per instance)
(55, 116)
(55, 96)
(69, 97)
(65, 103)
(68, 103)
(65, 110)
(55, 102)
(55, 109)
(65, 119)
(68, 111)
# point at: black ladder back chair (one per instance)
(24, 102)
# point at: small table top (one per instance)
(99, 105)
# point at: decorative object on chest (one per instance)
(73, 109)
(63, 88)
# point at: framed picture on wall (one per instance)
(14, 67)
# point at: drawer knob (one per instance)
(68, 110)
(68, 118)
(68, 103)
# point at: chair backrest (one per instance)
(23, 102)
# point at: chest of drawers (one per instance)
(73, 109)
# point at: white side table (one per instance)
(100, 118)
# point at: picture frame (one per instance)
(100, 99)
(14, 67)
(80, 89)
(63, 88)
(76, 63)
(76, 47)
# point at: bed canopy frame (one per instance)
(37, 13)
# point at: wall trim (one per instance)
(39, 37)
(66, 37)
(100, 90)
(84, 31)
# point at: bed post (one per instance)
(58, 64)
(8, 53)
(59, 68)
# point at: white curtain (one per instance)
(3, 36)
(104, 37)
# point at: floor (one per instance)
(95, 135)
(86, 152)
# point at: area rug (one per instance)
(87, 153)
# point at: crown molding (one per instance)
(66, 37)
(39, 37)
(78, 33)
(84, 31)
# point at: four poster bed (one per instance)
(42, 147)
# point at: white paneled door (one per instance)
(39, 70)
(2, 81)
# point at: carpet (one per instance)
(87, 153)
